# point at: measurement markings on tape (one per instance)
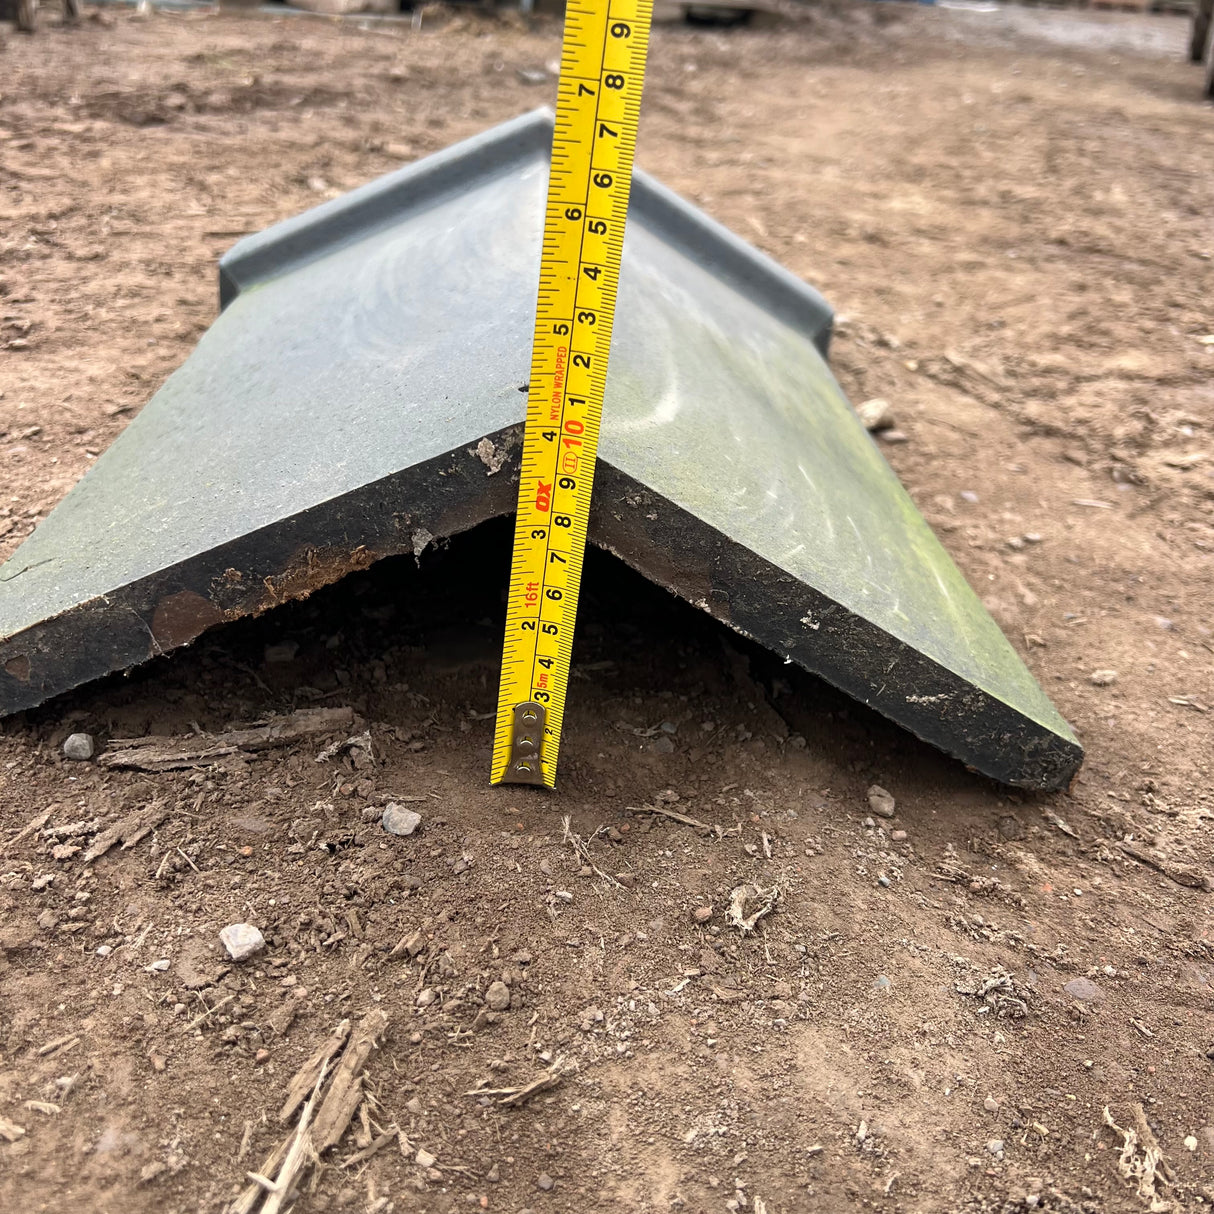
(598, 106)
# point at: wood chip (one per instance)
(60, 1043)
(305, 1078)
(33, 825)
(345, 1090)
(204, 750)
(1188, 875)
(129, 831)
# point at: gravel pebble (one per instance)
(898, 836)
(424, 1158)
(1102, 678)
(400, 821)
(881, 802)
(497, 997)
(702, 914)
(241, 940)
(79, 747)
(1084, 989)
(876, 414)
(544, 1182)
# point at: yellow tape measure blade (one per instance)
(598, 105)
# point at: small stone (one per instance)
(882, 983)
(400, 821)
(881, 802)
(663, 746)
(893, 436)
(1190, 1142)
(1084, 989)
(425, 999)
(262, 1055)
(79, 747)
(104, 950)
(424, 1159)
(968, 495)
(1010, 828)
(497, 997)
(875, 414)
(898, 836)
(241, 940)
(991, 1104)
(702, 914)
(883, 881)
(995, 1147)
(48, 920)
(627, 880)
(544, 1181)
(158, 967)
(1102, 678)
(281, 654)
(493, 1175)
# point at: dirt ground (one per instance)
(1016, 225)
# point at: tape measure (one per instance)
(598, 106)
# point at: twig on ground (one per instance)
(670, 813)
(513, 1097)
(1187, 875)
(581, 848)
(376, 1146)
(204, 750)
(299, 1153)
(189, 1028)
